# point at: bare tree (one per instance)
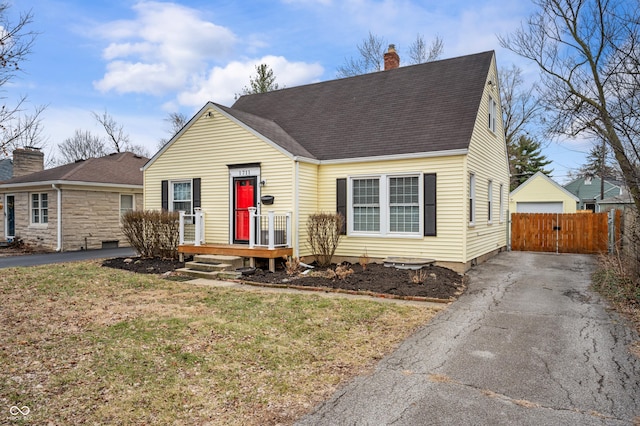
(177, 121)
(371, 55)
(419, 53)
(370, 59)
(115, 131)
(588, 52)
(16, 42)
(521, 107)
(25, 130)
(116, 136)
(81, 146)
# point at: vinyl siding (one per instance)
(307, 205)
(205, 150)
(487, 160)
(540, 189)
(445, 247)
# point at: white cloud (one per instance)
(223, 83)
(158, 50)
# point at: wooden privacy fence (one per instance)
(565, 232)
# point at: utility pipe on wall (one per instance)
(59, 218)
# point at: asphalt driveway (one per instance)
(527, 344)
(66, 256)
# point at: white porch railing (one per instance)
(192, 227)
(269, 230)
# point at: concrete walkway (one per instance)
(527, 344)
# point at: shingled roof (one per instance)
(119, 169)
(414, 109)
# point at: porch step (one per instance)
(233, 262)
(209, 267)
(217, 275)
(407, 262)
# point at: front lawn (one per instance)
(82, 344)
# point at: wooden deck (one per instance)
(238, 250)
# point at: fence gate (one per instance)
(565, 232)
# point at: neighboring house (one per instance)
(623, 202)
(588, 190)
(6, 169)
(541, 194)
(413, 157)
(71, 207)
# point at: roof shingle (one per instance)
(119, 168)
(421, 108)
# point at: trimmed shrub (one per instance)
(323, 230)
(152, 233)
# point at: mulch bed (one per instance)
(436, 282)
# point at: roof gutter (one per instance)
(59, 218)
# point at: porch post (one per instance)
(252, 227)
(198, 232)
(288, 229)
(181, 227)
(271, 230)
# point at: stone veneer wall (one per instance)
(89, 217)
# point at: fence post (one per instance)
(272, 233)
(611, 222)
(181, 227)
(252, 226)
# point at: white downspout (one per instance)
(296, 209)
(59, 220)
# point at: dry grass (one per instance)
(84, 344)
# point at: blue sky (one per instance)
(141, 60)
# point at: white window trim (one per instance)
(40, 209)
(385, 208)
(472, 199)
(492, 114)
(171, 199)
(490, 202)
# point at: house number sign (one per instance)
(244, 172)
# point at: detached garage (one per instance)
(539, 207)
(540, 194)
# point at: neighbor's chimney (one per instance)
(27, 160)
(391, 58)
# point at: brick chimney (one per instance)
(27, 160)
(391, 58)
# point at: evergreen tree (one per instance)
(525, 159)
(599, 164)
(263, 82)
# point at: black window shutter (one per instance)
(341, 202)
(196, 193)
(165, 195)
(430, 205)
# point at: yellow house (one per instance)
(541, 194)
(413, 157)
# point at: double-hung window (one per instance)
(404, 204)
(366, 205)
(386, 205)
(39, 208)
(181, 196)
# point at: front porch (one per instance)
(238, 250)
(269, 237)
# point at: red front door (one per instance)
(244, 195)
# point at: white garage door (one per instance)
(539, 207)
